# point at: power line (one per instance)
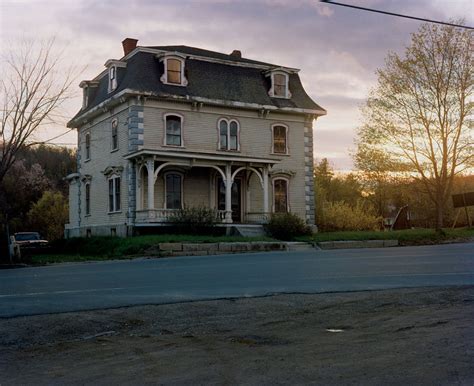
(395, 14)
(56, 137)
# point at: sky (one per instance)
(337, 49)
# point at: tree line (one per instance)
(358, 201)
(34, 193)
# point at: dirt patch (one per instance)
(413, 336)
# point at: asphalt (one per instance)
(101, 285)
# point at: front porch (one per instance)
(235, 187)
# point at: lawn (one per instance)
(106, 248)
(405, 237)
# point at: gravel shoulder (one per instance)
(409, 336)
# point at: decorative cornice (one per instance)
(116, 63)
(86, 178)
(111, 170)
(282, 172)
(117, 98)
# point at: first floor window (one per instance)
(114, 194)
(88, 199)
(173, 191)
(88, 146)
(279, 139)
(173, 130)
(280, 195)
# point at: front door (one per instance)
(236, 198)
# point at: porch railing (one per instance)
(256, 218)
(165, 215)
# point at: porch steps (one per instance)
(249, 230)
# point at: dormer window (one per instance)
(174, 69)
(114, 69)
(85, 97)
(279, 84)
(112, 78)
(88, 89)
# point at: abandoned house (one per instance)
(171, 127)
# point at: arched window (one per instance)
(112, 78)
(174, 133)
(280, 195)
(174, 69)
(88, 146)
(280, 140)
(279, 83)
(223, 128)
(228, 134)
(173, 188)
(233, 135)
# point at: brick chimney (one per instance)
(129, 45)
(236, 54)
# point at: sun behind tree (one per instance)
(418, 119)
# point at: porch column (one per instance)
(228, 194)
(138, 188)
(150, 166)
(247, 188)
(265, 189)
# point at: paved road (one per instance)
(85, 286)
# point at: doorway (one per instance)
(236, 198)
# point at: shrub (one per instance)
(340, 216)
(287, 226)
(49, 215)
(195, 220)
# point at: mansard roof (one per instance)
(213, 77)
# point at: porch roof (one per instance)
(201, 156)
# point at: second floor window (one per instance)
(280, 144)
(173, 130)
(114, 134)
(114, 194)
(228, 135)
(88, 146)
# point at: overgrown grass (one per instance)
(405, 237)
(104, 248)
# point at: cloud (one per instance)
(337, 49)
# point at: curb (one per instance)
(357, 244)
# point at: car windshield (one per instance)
(27, 236)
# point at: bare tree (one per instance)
(33, 88)
(419, 117)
